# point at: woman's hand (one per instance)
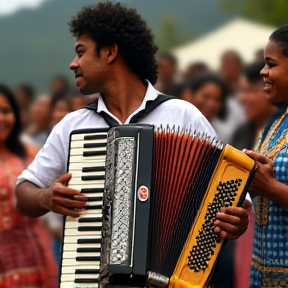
(264, 179)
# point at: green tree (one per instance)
(271, 12)
(168, 36)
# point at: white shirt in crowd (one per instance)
(51, 161)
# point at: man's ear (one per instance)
(110, 53)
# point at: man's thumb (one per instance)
(64, 179)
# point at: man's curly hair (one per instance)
(108, 23)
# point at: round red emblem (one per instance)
(143, 193)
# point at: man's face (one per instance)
(89, 68)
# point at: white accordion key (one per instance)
(75, 246)
(84, 159)
(72, 255)
(72, 269)
(80, 151)
(78, 181)
(82, 239)
(76, 167)
(75, 232)
(74, 262)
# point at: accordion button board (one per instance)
(81, 248)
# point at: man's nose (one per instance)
(73, 65)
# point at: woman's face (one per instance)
(275, 73)
(208, 99)
(253, 100)
(7, 119)
(60, 110)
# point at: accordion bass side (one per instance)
(162, 190)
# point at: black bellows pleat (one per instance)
(183, 165)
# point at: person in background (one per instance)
(167, 70)
(194, 69)
(208, 92)
(231, 68)
(269, 266)
(59, 83)
(259, 55)
(79, 101)
(26, 259)
(257, 109)
(40, 114)
(25, 96)
(60, 106)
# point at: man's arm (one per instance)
(34, 201)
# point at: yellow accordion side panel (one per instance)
(203, 245)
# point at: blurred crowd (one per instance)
(232, 100)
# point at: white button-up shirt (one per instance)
(51, 161)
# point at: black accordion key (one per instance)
(87, 271)
(87, 250)
(93, 169)
(88, 241)
(89, 228)
(86, 280)
(94, 145)
(93, 207)
(88, 258)
(92, 190)
(93, 177)
(95, 137)
(94, 153)
(90, 220)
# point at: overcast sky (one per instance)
(11, 6)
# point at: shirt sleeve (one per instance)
(50, 162)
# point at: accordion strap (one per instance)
(150, 106)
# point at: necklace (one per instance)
(276, 139)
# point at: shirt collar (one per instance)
(150, 95)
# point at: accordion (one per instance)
(152, 197)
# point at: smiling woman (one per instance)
(25, 257)
(269, 187)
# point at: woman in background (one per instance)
(26, 259)
(257, 109)
(208, 92)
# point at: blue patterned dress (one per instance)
(269, 268)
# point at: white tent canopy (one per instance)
(243, 36)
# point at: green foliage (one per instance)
(272, 12)
(168, 35)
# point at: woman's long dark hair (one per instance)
(13, 142)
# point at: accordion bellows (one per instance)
(161, 189)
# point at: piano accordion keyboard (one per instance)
(81, 249)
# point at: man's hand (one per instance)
(232, 222)
(64, 200)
